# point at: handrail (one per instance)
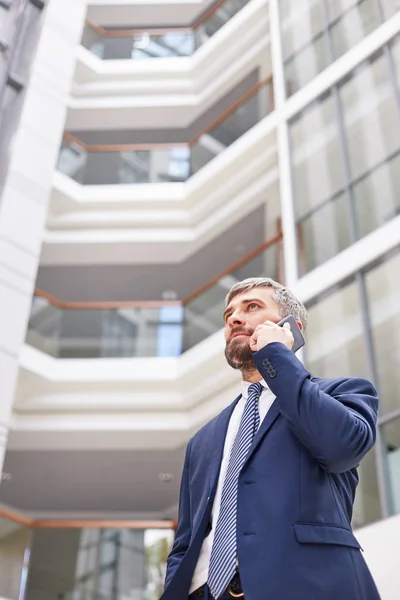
(87, 523)
(157, 30)
(129, 147)
(274, 240)
(127, 304)
(108, 304)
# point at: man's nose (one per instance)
(235, 319)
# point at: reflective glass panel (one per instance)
(383, 290)
(367, 507)
(335, 347)
(371, 116)
(391, 444)
(323, 234)
(376, 196)
(139, 46)
(350, 21)
(314, 34)
(234, 125)
(125, 166)
(316, 155)
(335, 336)
(95, 333)
(14, 557)
(305, 50)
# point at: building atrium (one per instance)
(152, 154)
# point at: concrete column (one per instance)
(23, 206)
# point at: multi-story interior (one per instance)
(151, 155)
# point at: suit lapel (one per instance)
(217, 441)
(267, 423)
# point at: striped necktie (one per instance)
(223, 553)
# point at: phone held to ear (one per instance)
(299, 340)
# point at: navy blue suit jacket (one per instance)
(296, 489)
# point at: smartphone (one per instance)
(299, 340)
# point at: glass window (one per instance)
(350, 22)
(318, 181)
(371, 116)
(376, 196)
(391, 442)
(383, 290)
(335, 336)
(390, 7)
(335, 347)
(316, 155)
(304, 44)
(367, 506)
(323, 234)
(314, 34)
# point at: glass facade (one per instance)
(354, 331)
(315, 33)
(356, 144)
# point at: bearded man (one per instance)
(268, 486)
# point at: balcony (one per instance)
(139, 44)
(159, 163)
(143, 329)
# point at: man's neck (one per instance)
(251, 376)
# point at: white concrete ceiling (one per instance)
(141, 13)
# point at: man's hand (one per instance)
(269, 332)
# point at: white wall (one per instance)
(381, 545)
(29, 179)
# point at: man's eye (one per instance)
(253, 304)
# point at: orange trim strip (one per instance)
(104, 524)
(131, 147)
(98, 305)
(234, 267)
(85, 523)
(252, 92)
(5, 514)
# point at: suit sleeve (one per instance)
(338, 427)
(183, 532)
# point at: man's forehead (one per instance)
(262, 293)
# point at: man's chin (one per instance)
(239, 357)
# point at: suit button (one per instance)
(266, 363)
(272, 373)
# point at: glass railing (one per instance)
(84, 331)
(141, 44)
(130, 164)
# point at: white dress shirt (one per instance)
(266, 399)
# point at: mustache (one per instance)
(244, 330)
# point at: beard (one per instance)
(238, 353)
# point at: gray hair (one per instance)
(287, 302)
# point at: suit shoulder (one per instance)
(349, 384)
(204, 430)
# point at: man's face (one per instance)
(242, 315)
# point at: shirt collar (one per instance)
(245, 387)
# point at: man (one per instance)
(268, 485)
